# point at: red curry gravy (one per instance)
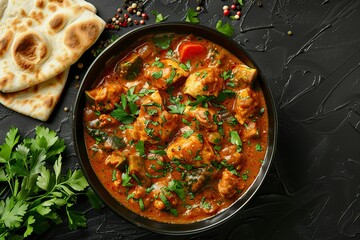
(176, 130)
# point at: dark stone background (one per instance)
(312, 189)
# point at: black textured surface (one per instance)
(312, 190)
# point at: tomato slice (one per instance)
(190, 50)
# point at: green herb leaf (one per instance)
(258, 147)
(140, 147)
(157, 75)
(163, 42)
(187, 134)
(159, 16)
(191, 16)
(225, 29)
(235, 138)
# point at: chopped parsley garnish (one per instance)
(157, 75)
(224, 94)
(235, 138)
(186, 122)
(187, 134)
(186, 66)
(178, 188)
(140, 147)
(128, 110)
(258, 147)
(205, 204)
(157, 63)
(163, 41)
(171, 77)
(245, 175)
(226, 74)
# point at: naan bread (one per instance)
(37, 101)
(39, 39)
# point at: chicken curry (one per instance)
(176, 129)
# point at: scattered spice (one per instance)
(259, 4)
(77, 77)
(289, 33)
(235, 6)
(66, 109)
(133, 14)
(101, 45)
(80, 65)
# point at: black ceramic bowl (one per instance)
(95, 70)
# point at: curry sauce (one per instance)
(176, 129)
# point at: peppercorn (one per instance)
(259, 4)
(144, 16)
(289, 33)
(233, 6)
(226, 12)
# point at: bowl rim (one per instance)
(104, 58)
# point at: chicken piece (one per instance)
(245, 104)
(190, 148)
(105, 96)
(154, 123)
(164, 73)
(251, 131)
(204, 82)
(116, 158)
(244, 74)
(228, 183)
(163, 198)
(232, 156)
(204, 116)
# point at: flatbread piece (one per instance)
(40, 39)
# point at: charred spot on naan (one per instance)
(5, 42)
(5, 79)
(57, 22)
(30, 50)
(80, 36)
(38, 16)
(40, 4)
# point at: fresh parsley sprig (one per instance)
(35, 186)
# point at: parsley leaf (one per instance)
(192, 16)
(37, 190)
(235, 138)
(225, 29)
(159, 16)
(177, 187)
(163, 42)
